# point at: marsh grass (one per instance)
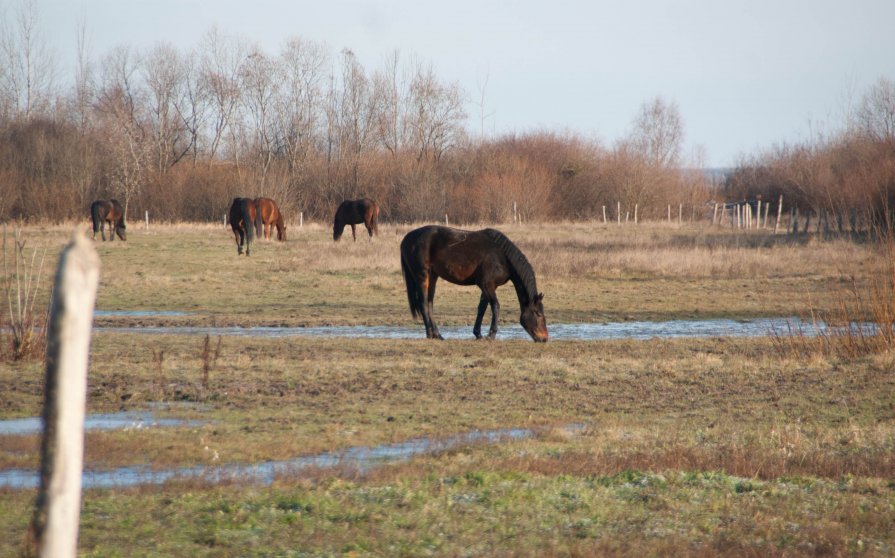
(861, 321)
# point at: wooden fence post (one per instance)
(715, 215)
(301, 219)
(604, 214)
(54, 526)
(779, 212)
(618, 212)
(635, 213)
(147, 219)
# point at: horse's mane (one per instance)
(517, 260)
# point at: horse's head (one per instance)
(337, 230)
(122, 231)
(281, 233)
(533, 320)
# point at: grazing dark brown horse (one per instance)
(485, 258)
(352, 212)
(270, 216)
(242, 220)
(111, 212)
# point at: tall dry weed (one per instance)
(26, 330)
(862, 323)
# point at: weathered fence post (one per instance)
(301, 219)
(515, 220)
(446, 222)
(618, 212)
(669, 214)
(779, 213)
(54, 526)
(604, 214)
(635, 213)
(147, 219)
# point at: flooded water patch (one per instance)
(100, 421)
(558, 332)
(361, 459)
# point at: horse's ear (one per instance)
(540, 297)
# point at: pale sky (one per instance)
(745, 74)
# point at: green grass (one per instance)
(687, 447)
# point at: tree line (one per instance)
(179, 133)
(844, 181)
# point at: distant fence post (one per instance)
(604, 214)
(446, 222)
(635, 213)
(301, 219)
(618, 212)
(54, 526)
(715, 215)
(680, 214)
(147, 219)
(669, 214)
(515, 220)
(779, 212)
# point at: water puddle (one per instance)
(558, 332)
(126, 420)
(361, 459)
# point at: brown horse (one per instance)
(243, 213)
(270, 216)
(111, 212)
(352, 212)
(485, 258)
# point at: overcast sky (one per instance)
(745, 74)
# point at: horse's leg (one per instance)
(102, 230)
(112, 230)
(495, 314)
(238, 234)
(483, 304)
(431, 328)
(369, 230)
(354, 236)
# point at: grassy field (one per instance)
(685, 447)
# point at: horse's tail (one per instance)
(97, 217)
(247, 222)
(259, 220)
(415, 296)
(374, 219)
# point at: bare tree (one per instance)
(120, 104)
(391, 92)
(436, 115)
(260, 81)
(222, 60)
(658, 133)
(192, 104)
(163, 73)
(356, 114)
(298, 104)
(27, 66)
(876, 114)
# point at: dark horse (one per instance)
(484, 258)
(270, 216)
(352, 212)
(243, 213)
(111, 212)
